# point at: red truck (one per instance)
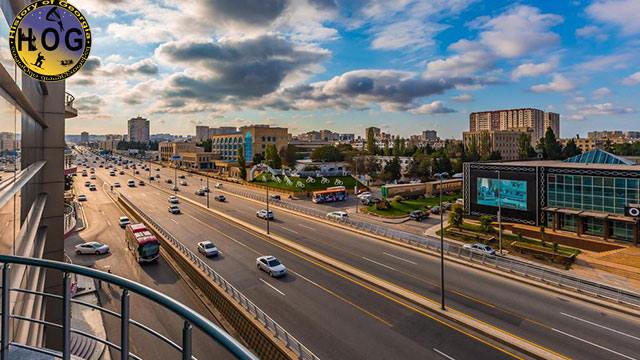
(143, 244)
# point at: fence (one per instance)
(521, 268)
(278, 331)
(70, 221)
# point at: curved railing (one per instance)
(190, 317)
(68, 99)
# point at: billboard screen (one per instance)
(511, 194)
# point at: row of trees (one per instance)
(143, 146)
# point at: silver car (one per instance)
(207, 248)
(92, 248)
(271, 265)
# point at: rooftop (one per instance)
(562, 164)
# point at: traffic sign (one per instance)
(176, 158)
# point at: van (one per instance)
(131, 183)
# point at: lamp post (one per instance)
(499, 212)
(356, 187)
(207, 189)
(267, 215)
(440, 177)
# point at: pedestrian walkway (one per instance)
(86, 319)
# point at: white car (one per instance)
(271, 265)
(265, 214)
(183, 183)
(364, 195)
(173, 200)
(479, 248)
(92, 177)
(87, 183)
(92, 247)
(174, 209)
(92, 187)
(339, 215)
(123, 221)
(131, 183)
(82, 197)
(207, 248)
(218, 185)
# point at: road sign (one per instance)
(176, 158)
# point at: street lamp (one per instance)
(440, 177)
(499, 212)
(267, 215)
(207, 189)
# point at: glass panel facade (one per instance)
(593, 226)
(567, 222)
(622, 231)
(596, 193)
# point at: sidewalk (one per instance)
(86, 319)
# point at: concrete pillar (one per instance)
(636, 234)
(607, 227)
(556, 218)
(579, 225)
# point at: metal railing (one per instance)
(190, 317)
(277, 330)
(70, 220)
(528, 270)
(68, 99)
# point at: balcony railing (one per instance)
(190, 318)
(69, 110)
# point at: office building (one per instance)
(536, 120)
(253, 139)
(503, 141)
(202, 133)
(429, 135)
(588, 194)
(138, 130)
(167, 149)
(84, 137)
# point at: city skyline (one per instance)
(406, 66)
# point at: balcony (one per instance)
(13, 349)
(69, 110)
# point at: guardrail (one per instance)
(70, 220)
(190, 317)
(278, 331)
(521, 268)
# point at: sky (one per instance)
(402, 65)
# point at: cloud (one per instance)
(583, 111)
(89, 105)
(591, 32)
(601, 92)
(632, 79)
(248, 12)
(531, 69)
(622, 13)
(605, 62)
(558, 84)
(461, 65)
(463, 98)
(436, 107)
(405, 34)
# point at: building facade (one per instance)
(84, 137)
(536, 120)
(202, 133)
(503, 141)
(252, 139)
(167, 149)
(202, 161)
(138, 130)
(581, 197)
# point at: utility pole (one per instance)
(356, 187)
(440, 177)
(267, 209)
(499, 212)
(207, 190)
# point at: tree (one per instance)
(207, 145)
(472, 153)
(571, 149)
(289, 155)
(395, 151)
(327, 153)
(495, 155)
(551, 148)
(257, 158)
(392, 170)
(524, 146)
(371, 142)
(485, 145)
(372, 167)
(242, 163)
(456, 216)
(386, 150)
(272, 158)
(486, 224)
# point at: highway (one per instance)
(568, 326)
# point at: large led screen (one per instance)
(510, 194)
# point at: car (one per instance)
(271, 265)
(84, 173)
(112, 173)
(87, 183)
(92, 170)
(121, 172)
(480, 249)
(418, 215)
(218, 185)
(141, 183)
(82, 197)
(220, 198)
(175, 188)
(131, 183)
(92, 247)
(339, 215)
(200, 192)
(92, 187)
(123, 221)
(446, 206)
(205, 189)
(136, 172)
(157, 176)
(169, 181)
(265, 214)
(183, 183)
(364, 194)
(116, 184)
(435, 210)
(151, 178)
(173, 199)
(101, 166)
(181, 177)
(275, 197)
(207, 248)
(93, 177)
(157, 169)
(174, 209)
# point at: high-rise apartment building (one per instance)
(535, 120)
(202, 133)
(84, 137)
(503, 141)
(429, 135)
(138, 130)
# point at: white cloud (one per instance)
(601, 92)
(605, 62)
(622, 13)
(463, 98)
(407, 33)
(632, 79)
(531, 69)
(581, 112)
(435, 107)
(558, 83)
(460, 65)
(591, 32)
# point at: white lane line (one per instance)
(593, 344)
(309, 280)
(173, 221)
(271, 286)
(293, 231)
(307, 227)
(399, 258)
(108, 222)
(381, 264)
(443, 354)
(601, 326)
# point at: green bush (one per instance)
(485, 223)
(398, 198)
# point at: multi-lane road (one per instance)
(337, 316)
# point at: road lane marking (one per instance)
(293, 231)
(601, 326)
(108, 222)
(399, 258)
(594, 344)
(308, 227)
(379, 263)
(271, 286)
(443, 354)
(173, 220)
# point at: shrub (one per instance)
(398, 198)
(485, 224)
(456, 216)
(383, 205)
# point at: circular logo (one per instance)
(634, 212)
(50, 40)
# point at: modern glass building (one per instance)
(586, 195)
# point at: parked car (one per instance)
(220, 198)
(175, 188)
(174, 209)
(173, 199)
(339, 215)
(136, 172)
(93, 177)
(112, 173)
(181, 177)
(446, 206)
(271, 265)
(207, 248)
(364, 194)
(92, 247)
(218, 185)
(131, 183)
(183, 183)
(435, 210)
(169, 181)
(275, 197)
(123, 221)
(265, 214)
(121, 172)
(479, 248)
(82, 197)
(418, 215)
